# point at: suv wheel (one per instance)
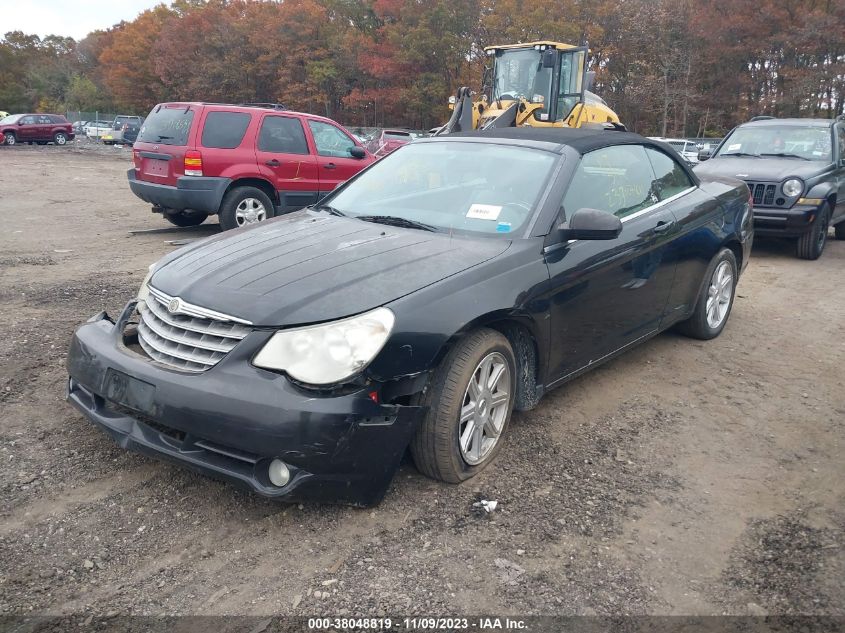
(243, 206)
(10, 138)
(185, 218)
(470, 399)
(811, 244)
(60, 138)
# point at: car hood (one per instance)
(759, 169)
(308, 267)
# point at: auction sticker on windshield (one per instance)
(484, 211)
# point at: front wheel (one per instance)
(60, 138)
(183, 218)
(244, 206)
(11, 139)
(811, 244)
(715, 300)
(469, 399)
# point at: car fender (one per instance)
(825, 190)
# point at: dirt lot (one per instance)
(683, 478)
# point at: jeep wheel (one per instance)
(811, 244)
(469, 399)
(185, 218)
(244, 206)
(60, 138)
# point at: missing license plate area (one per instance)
(155, 167)
(128, 391)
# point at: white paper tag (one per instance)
(484, 211)
(734, 147)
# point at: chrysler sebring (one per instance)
(415, 307)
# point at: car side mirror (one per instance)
(591, 224)
(704, 154)
(357, 152)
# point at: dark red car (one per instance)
(245, 163)
(36, 128)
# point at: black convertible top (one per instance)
(582, 140)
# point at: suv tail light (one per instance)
(193, 163)
(136, 159)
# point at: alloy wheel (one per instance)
(250, 211)
(484, 409)
(719, 294)
(825, 221)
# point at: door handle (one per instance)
(330, 166)
(272, 163)
(662, 226)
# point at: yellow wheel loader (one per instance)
(540, 84)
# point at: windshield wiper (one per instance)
(329, 209)
(394, 221)
(738, 154)
(785, 155)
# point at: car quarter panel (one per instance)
(713, 216)
(509, 287)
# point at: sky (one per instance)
(74, 18)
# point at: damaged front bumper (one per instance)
(232, 420)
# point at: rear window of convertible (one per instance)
(167, 126)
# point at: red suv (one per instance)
(36, 128)
(246, 163)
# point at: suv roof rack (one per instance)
(762, 117)
(272, 106)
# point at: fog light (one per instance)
(278, 473)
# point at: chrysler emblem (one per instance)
(174, 306)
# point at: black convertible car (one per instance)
(457, 279)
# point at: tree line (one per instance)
(668, 67)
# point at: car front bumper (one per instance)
(784, 222)
(230, 421)
(197, 193)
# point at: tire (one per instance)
(700, 325)
(60, 138)
(243, 206)
(839, 231)
(811, 244)
(10, 138)
(184, 218)
(436, 447)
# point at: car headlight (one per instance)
(793, 187)
(144, 290)
(328, 353)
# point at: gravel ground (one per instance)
(685, 477)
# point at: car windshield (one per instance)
(451, 186)
(12, 118)
(809, 143)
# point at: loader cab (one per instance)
(549, 74)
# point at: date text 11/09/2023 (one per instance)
(418, 624)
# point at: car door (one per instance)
(839, 172)
(605, 295)
(284, 159)
(27, 128)
(336, 164)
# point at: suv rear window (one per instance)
(167, 126)
(224, 130)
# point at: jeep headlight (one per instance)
(328, 353)
(144, 290)
(793, 187)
